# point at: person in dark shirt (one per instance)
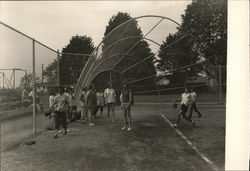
(126, 99)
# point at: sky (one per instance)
(55, 22)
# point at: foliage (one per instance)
(128, 43)
(71, 65)
(205, 22)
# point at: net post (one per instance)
(220, 91)
(34, 86)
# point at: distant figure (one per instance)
(109, 95)
(31, 95)
(185, 100)
(66, 93)
(126, 100)
(61, 107)
(193, 104)
(24, 94)
(83, 105)
(100, 101)
(91, 101)
(52, 110)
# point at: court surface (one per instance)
(152, 144)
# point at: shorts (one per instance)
(184, 108)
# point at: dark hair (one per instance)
(61, 90)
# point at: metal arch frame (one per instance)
(110, 46)
(94, 76)
(82, 79)
(142, 60)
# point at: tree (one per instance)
(71, 65)
(175, 54)
(205, 22)
(127, 40)
(50, 72)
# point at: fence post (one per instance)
(220, 91)
(34, 86)
(58, 68)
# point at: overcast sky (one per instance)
(54, 23)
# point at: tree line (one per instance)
(202, 36)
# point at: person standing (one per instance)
(61, 107)
(52, 110)
(100, 101)
(91, 101)
(126, 100)
(193, 104)
(185, 100)
(109, 95)
(83, 105)
(66, 93)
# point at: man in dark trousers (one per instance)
(61, 105)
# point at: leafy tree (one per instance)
(205, 22)
(176, 54)
(127, 40)
(50, 72)
(71, 65)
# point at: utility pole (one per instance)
(110, 78)
(34, 86)
(14, 81)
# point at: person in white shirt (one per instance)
(185, 100)
(110, 98)
(193, 104)
(61, 107)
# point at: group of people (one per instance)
(188, 98)
(63, 106)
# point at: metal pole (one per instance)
(220, 91)
(58, 68)
(42, 73)
(14, 74)
(110, 77)
(34, 87)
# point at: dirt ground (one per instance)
(152, 144)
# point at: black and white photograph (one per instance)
(123, 85)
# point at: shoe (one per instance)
(129, 129)
(175, 125)
(65, 132)
(55, 136)
(59, 131)
(123, 128)
(83, 121)
(91, 124)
